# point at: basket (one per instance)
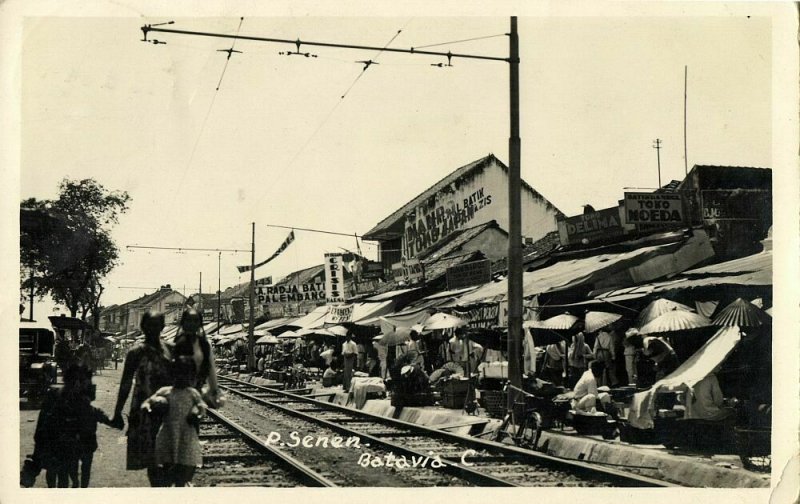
(754, 447)
(494, 402)
(454, 387)
(453, 401)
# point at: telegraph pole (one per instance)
(514, 224)
(200, 295)
(219, 287)
(251, 361)
(657, 147)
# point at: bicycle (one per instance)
(523, 424)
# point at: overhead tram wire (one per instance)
(370, 62)
(208, 114)
(462, 40)
(230, 53)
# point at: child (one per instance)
(66, 431)
(177, 446)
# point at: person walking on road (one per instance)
(191, 341)
(149, 364)
(177, 447)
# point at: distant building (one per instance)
(127, 317)
(733, 204)
(472, 195)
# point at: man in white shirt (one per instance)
(586, 394)
(349, 354)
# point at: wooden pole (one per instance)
(514, 224)
(251, 358)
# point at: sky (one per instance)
(277, 144)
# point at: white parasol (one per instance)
(657, 308)
(443, 321)
(674, 321)
(596, 320)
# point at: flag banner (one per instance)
(289, 239)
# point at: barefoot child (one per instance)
(177, 446)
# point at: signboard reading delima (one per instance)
(469, 274)
(409, 271)
(665, 209)
(590, 227)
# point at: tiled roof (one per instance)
(465, 170)
(455, 240)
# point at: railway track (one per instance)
(383, 442)
(234, 456)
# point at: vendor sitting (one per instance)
(706, 401)
(586, 394)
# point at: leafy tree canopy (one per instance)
(67, 243)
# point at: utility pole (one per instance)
(251, 360)
(514, 187)
(685, 82)
(219, 287)
(657, 147)
(514, 225)
(200, 295)
(30, 313)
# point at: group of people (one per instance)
(632, 359)
(171, 385)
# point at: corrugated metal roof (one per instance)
(560, 275)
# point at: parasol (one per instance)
(398, 336)
(741, 313)
(338, 330)
(768, 311)
(288, 334)
(443, 321)
(674, 321)
(267, 339)
(596, 320)
(657, 308)
(562, 322)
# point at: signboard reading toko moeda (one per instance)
(665, 209)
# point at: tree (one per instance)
(67, 244)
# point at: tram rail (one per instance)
(476, 461)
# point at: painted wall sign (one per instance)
(468, 274)
(591, 227)
(664, 209)
(427, 224)
(734, 204)
(290, 293)
(334, 279)
(339, 314)
(371, 270)
(409, 271)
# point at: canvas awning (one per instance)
(278, 322)
(752, 271)
(695, 368)
(230, 329)
(314, 318)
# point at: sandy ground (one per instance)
(108, 468)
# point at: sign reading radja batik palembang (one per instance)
(429, 223)
(281, 294)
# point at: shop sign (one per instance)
(427, 224)
(663, 209)
(409, 271)
(297, 293)
(590, 227)
(734, 204)
(485, 316)
(334, 278)
(371, 270)
(469, 274)
(339, 314)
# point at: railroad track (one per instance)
(461, 460)
(234, 456)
